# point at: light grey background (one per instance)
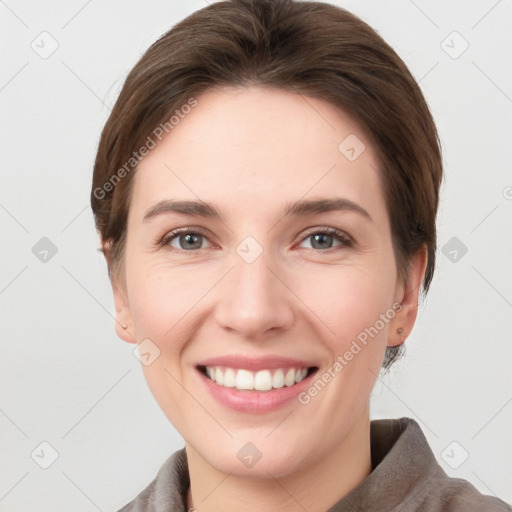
(67, 380)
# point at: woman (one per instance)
(266, 191)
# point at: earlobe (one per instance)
(397, 338)
(403, 323)
(123, 320)
(397, 333)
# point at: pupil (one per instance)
(189, 238)
(321, 237)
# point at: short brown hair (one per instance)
(310, 48)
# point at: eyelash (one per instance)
(342, 237)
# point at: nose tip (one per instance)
(253, 299)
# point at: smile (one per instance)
(261, 380)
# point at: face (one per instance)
(284, 268)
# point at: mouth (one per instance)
(264, 380)
(255, 385)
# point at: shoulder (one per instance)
(447, 494)
(457, 495)
(166, 491)
(409, 477)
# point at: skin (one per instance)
(249, 151)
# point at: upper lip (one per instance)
(244, 362)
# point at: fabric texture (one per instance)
(405, 477)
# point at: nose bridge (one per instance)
(253, 299)
(251, 272)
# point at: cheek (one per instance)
(161, 298)
(168, 306)
(164, 302)
(349, 300)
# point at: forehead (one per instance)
(248, 146)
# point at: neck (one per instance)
(314, 488)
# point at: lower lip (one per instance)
(255, 402)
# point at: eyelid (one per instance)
(342, 236)
(170, 235)
(326, 229)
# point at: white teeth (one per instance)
(301, 374)
(289, 378)
(278, 379)
(229, 378)
(263, 380)
(219, 376)
(244, 380)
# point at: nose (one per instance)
(255, 299)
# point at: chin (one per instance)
(252, 456)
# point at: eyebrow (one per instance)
(297, 208)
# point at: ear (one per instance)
(407, 295)
(124, 324)
(124, 321)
